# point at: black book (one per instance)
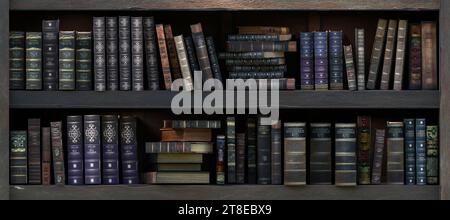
(213, 58)
(320, 154)
(75, 147)
(17, 60)
(345, 155)
(129, 150)
(99, 53)
(192, 57)
(124, 53)
(112, 56)
(67, 60)
(92, 150)
(110, 146)
(264, 154)
(59, 171)
(33, 60)
(137, 52)
(84, 61)
(50, 32)
(251, 151)
(276, 168)
(18, 158)
(34, 151)
(151, 53)
(231, 150)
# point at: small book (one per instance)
(295, 154)
(186, 134)
(378, 155)
(84, 61)
(46, 156)
(220, 161)
(75, 150)
(345, 155)
(276, 168)
(259, 30)
(112, 54)
(231, 150)
(50, 61)
(34, 152)
(17, 60)
(421, 152)
(432, 155)
(251, 151)
(92, 150)
(164, 55)
(18, 158)
(129, 150)
(151, 53)
(67, 63)
(415, 57)
(350, 66)
(173, 54)
(386, 75)
(320, 154)
(429, 56)
(336, 60)
(360, 58)
(125, 75)
(110, 148)
(377, 53)
(177, 178)
(400, 54)
(137, 54)
(59, 171)
(99, 29)
(395, 153)
(33, 60)
(179, 147)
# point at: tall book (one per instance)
(33, 60)
(173, 55)
(360, 58)
(295, 154)
(345, 141)
(364, 149)
(213, 58)
(125, 53)
(429, 56)
(377, 53)
(184, 64)
(99, 32)
(320, 154)
(84, 61)
(231, 150)
(421, 151)
(18, 162)
(432, 155)
(151, 53)
(46, 156)
(251, 151)
(415, 57)
(276, 168)
(202, 51)
(389, 55)
(112, 54)
(17, 60)
(336, 61)
(190, 49)
(164, 55)
(350, 67)
(400, 54)
(220, 162)
(75, 150)
(410, 151)
(379, 150)
(50, 61)
(110, 148)
(129, 150)
(321, 60)
(59, 171)
(92, 150)
(264, 154)
(34, 152)
(240, 158)
(67, 60)
(307, 60)
(395, 153)
(137, 54)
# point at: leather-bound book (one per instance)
(110, 148)
(220, 163)
(306, 60)
(432, 155)
(350, 67)
(18, 162)
(231, 150)
(84, 61)
(137, 54)
(213, 58)
(50, 61)
(386, 75)
(276, 154)
(410, 151)
(261, 46)
(360, 58)
(264, 155)
(179, 147)
(164, 55)
(46, 156)
(260, 55)
(186, 134)
(33, 58)
(151, 53)
(17, 60)
(184, 64)
(421, 152)
(125, 60)
(378, 154)
(92, 150)
(129, 150)
(240, 158)
(99, 29)
(395, 153)
(400, 54)
(377, 53)
(251, 151)
(415, 57)
(213, 124)
(295, 154)
(321, 60)
(260, 37)
(192, 57)
(173, 55)
(364, 149)
(67, 60)
(320, 154)
(202, 51)
(345, 155)
(75, 150)
(257, 75)
(238, 68)
(429, 56)
(261, 30)
(336, 60)
(34, 152)
(112, 54)
(59, 171)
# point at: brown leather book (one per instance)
(165, 64)
(389, 55)
(46, 156)
(377, 170)
(202, 51)
(263, 30)
(58, 153)
(186, 134)
(350, 66)
(415, 57)
(400, 55)
(429, 56)
(173, 55)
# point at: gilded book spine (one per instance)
(360, 58)
(84, 61)
(295, 153)
(137, 54)
(125, 53)
(67, 60)
(389, 55)
(400, 55)
(33, 61)
(377, 53)
(17, 60)
(99, 30)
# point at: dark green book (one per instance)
(84, 61)
(67, 60)
(17, 60)
(432, 155)
(34, 61)
(18, 158)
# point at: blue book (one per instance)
(321, 60)
(75, 150)
(110, 146)
(410, 152)
(307, 60)
(421, 152)
(130, 165)
(336, 61)
(92, 150)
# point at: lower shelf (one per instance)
(228, 192)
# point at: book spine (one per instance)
(165, 64)
(75, 170)
(364, 149)
(261, 46)
(421, 152)
(50, 32)
(336, 61)
(320, 160)
(17, 60)
(377, 52)
(395, 153)
(67, 60)
(220, 164)
(389, 55)
(59, 172)
(350, 66)
(192, 124)
(378, 156)
(271, 61)
(259, 37)
(410, 152)
(346, 173)
(251, 151)
(240, 158)
(99, 30)
(112, 54)
(415, 57)
(213, 58)
(110, 147)
(184, 64)
(173, 55)
(33, 61)
(321, 60)
(264, 155)
(360, 58)
(429, 56)
(432, 155)
(202, 51)
(46, 156)
(34, 152)
(137, 53)
(261, 30)
(256, 75)
(257, 55)
(92, 149)
(129, 150)
(18, 158)
(190, 49)
(400, 55)
(276, 168)
(231, 150)
(295, 154)
(125, 53)
(151, 53)
(238, 68)
(84, 61)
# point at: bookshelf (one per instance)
(301, 14)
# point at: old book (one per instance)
(257, 75)
(67, 60)
(202, 51)
(184, 63)
(260, 37)
(295, 154)
(59, 171)
(99, 32)
(75, 150)
(137, 54)
(92, 150)
(321, 60)
(151, 53)
(220, 161)
(240, 158)
(34, 152)
(410, 151)
(253, 55)
(360, 58)
(17, 60)
(177, 158)
(336, 60)
(261, 46)
(395, 153)
(264, 154)
(389, 55)
(432, 155)
(276, 168)
(84, 61)
(129, 150)
(125, 75)
(173, 54)
(258, 30)
(46, 156)
(421, 152)
(400, 54)
(364, 149)
(264, 61)
(231, 150)
(320, 154)
(192, 57)
(179, 147)
(110, 148)
(177, 178)
(415, 57)
(112, 54)
(50, 60)
(18, 162)
(273, 68)
(192, 124)
(33, 60)
(251, 150)
(282, 83)
(213, 58)
(379, 151)
(345, 155)
(377, 53)
(186, 134)
(350, 67)
(179, 167)
(429, 56)
(164, 55)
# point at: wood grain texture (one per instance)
(208, 192)
(410, 5)
(444, 67)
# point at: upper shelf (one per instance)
(322, 5)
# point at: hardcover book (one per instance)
(350, 66)
(99, 29)
(92, 150)
(190, 50)
(129, 150)
(336, 61)
(110, 147)
(321, 60)
(432, 155)
(320, 154)
(186, 134)
(213, 124)
(151, 53)
(260, 37)
(220, 164)
(179, 147)
(164, 55)
(213, 58)
(173, 54)
(184, 64)
(125, 53)
(18, 158)
(112, 54)
(377, 53)
(400, 54)
(261, 46)
(415, 57)
(410, 151)
(231, 150)
(177, 178)
(33, 60)
(50, 60)
(264, 154)
(421, 151)
(137, 54)
(261, 30)
(59, 171)
(17, 60)
(306, 60)
(360, 58)
(75, 151)
(34, 152)
(395, 153)
(389, 55)
(240, 158)
(259, 55)
(364, 149)
(67, 60)
(46, 156)
(202, 51)
(378, 156)
(84, 61)
(346, 172)
(429, 56)
(251, 151)
(295, 154)
(276, 154)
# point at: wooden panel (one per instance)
(225, 5)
